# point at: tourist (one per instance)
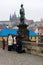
(3, 43)
(14, 43)
(19, 44)
(10, 42)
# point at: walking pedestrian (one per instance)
(3, 43)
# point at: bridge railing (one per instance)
(33, 48)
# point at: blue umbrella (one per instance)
(5, 32)
(32, 33)
(13, 31)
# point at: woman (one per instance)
(10, 42)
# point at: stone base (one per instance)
(23, 31)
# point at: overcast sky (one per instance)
(33, 8)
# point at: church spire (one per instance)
(10, 17)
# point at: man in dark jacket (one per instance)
(19, 44)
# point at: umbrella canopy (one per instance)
(4, 32)
(13, 31)
(32, 33)
(7, 31)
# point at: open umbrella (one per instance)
(5, 32)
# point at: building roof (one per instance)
(40, 27)
(4, 21)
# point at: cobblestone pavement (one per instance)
(13, 58)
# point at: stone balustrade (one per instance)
(33, 48)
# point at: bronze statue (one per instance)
(22, 14)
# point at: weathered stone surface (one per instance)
(13, 58)
(33, 48)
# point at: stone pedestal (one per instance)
(23, 31)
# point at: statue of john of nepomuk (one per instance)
(22, 14)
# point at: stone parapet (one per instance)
(33, 48)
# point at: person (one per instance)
(3, 43)
(10, 42)
(22, 14)
(14, 42)
(19, 47)
(19, 44)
